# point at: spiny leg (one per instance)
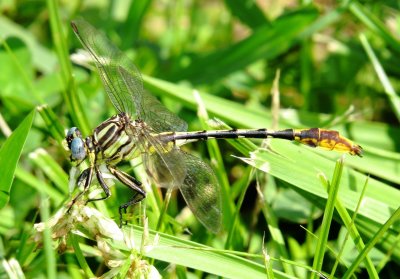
(103, 185)
(87, 176)
(133, 184)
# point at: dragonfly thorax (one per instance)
(115, 139)
(112, 141)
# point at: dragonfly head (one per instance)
(76, 145)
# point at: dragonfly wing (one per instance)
(169, 167)
(201, 192)
(123, 81)
(167, 170)
(108, 59)
(151, 111)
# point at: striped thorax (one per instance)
(115, 139)
(112, 141)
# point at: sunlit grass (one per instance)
(276, 214)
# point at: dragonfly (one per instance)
(144, 127)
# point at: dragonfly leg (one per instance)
(103, 185)
(133, 184)
(83, 177)
(87, 176)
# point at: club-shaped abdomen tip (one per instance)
(356, 150)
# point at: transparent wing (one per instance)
(123, 82)
(162, 161)
(151, 111)
(201, 192)
(108, 58)
(169, 167)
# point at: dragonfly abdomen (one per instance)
(326, 139)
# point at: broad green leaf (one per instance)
(377, 161)
(266, 42)
(380, 199)
(247, 12)
(9, 156)
(193, 255)
(43, 58)
(305, 166)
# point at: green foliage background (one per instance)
(338, 64)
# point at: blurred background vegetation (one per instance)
(339, 69)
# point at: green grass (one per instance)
(314, 212)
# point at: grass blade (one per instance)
(248, 12)
(264, 43)
(333, 189)
(388, 88)
(9, 156)
(379, 235)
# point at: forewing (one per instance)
(108, 60)
(151, 111)
(123, 82)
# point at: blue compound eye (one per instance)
(71, 131)
(78, 149)
(74, 131)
